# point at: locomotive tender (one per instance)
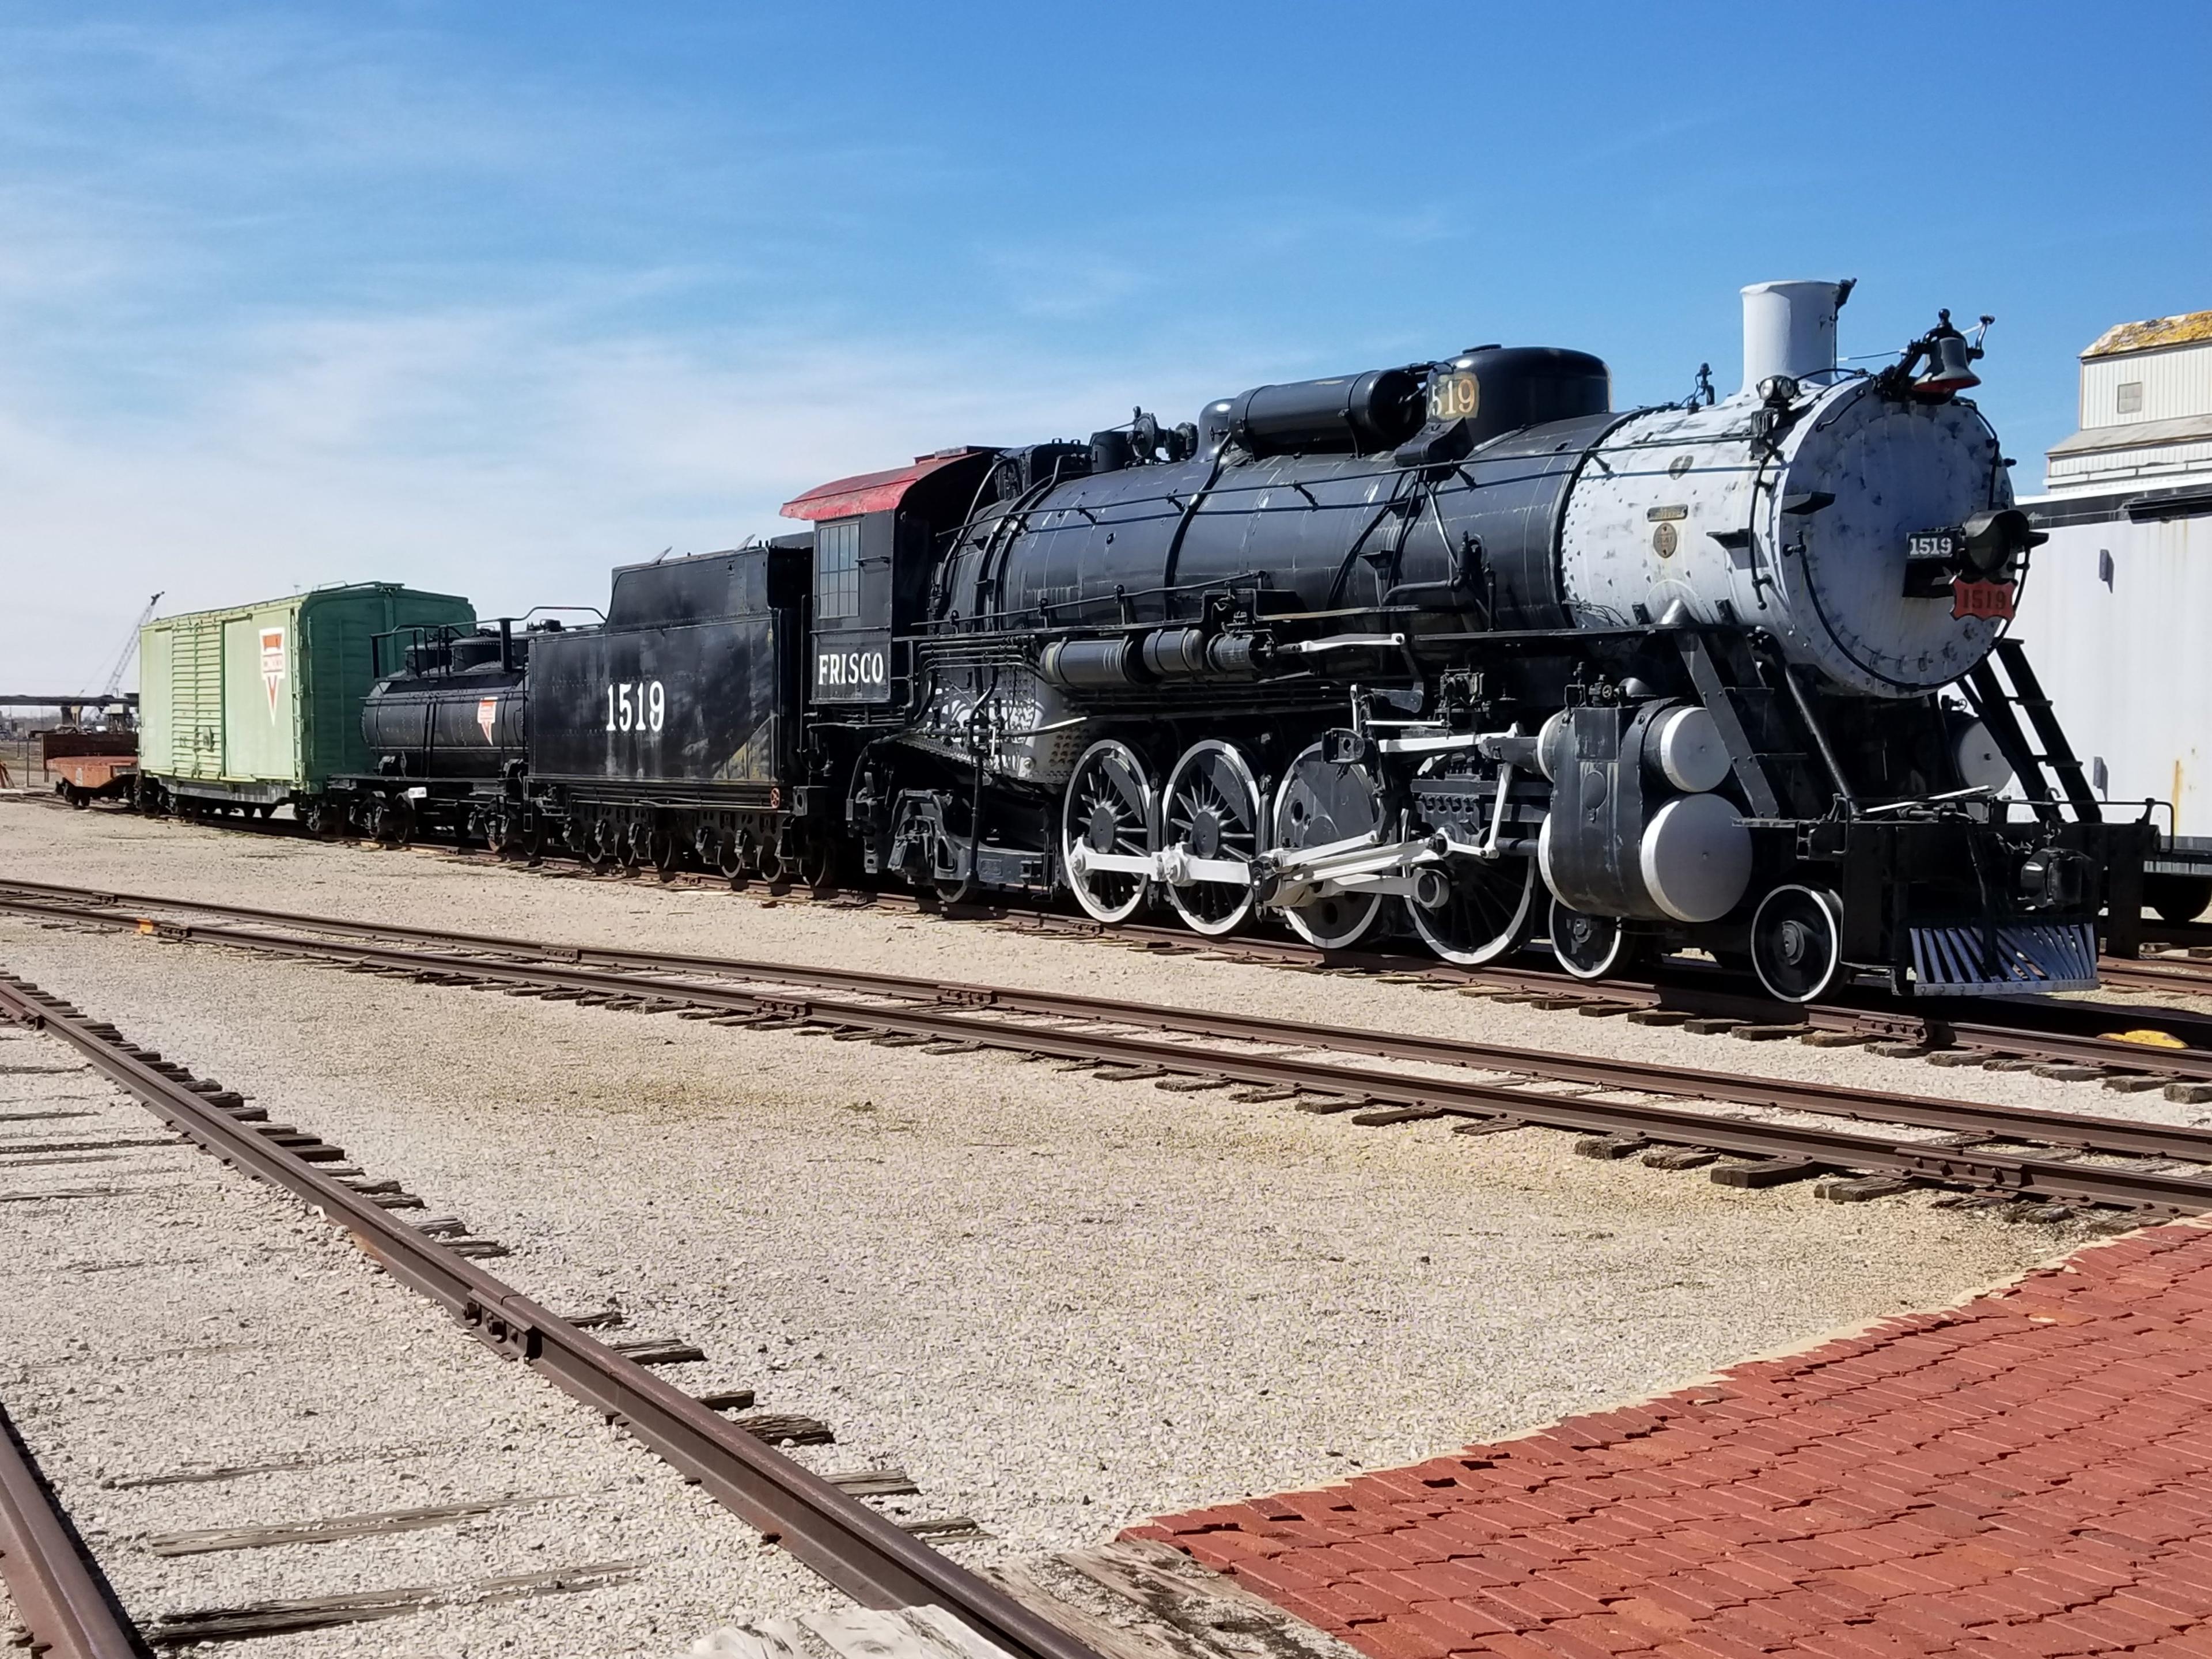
(1451, 646)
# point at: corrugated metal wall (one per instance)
(2126, 664)
(2174, 383)
(196, 697)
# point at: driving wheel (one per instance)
(1106, 831)
(1319, 802)
(1210, 830)
(1484, 909)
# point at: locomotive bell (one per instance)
(1948, 369)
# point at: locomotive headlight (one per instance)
(2052, 878)
(1994, 542)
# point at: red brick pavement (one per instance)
(2028, 1476)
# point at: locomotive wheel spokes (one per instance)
(1106, 831)
(598, 850)
(1318, 803)
(730, 858)
(1486, 914)
(1796, 942)
(1589, 947)
(1210, 827)
(818, 862)
(660, 848)
(394, 823)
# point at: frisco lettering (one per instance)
(848, 668)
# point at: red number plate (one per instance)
(1981, 598)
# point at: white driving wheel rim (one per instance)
(1503, 943)
(1831, 962)
(1605, 963)
(1133, 822)
(1339, 921)
(1195, 785)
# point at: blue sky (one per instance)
(491, 298)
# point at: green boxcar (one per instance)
(261, 704)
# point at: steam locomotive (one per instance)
(1451, 648)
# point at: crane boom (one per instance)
(130, 645)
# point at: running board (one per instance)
(2030, 957)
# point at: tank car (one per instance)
(446, 724)
(1455, 646)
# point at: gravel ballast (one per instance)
(162, 1316)
(1061, 1304)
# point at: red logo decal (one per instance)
(272, 664)
(486, 715)
(1981, 598)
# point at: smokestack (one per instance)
(1789, 328)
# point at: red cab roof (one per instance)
(870, 492)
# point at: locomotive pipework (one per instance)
(1452, 647)
(1297, 658)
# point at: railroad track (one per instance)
(2049, 1157)
(2043, 1031)
(863, 1553)
(2178, 933)
(57, 1599)
(2186, 973)
(2047, 1030)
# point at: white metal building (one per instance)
(2117, 611)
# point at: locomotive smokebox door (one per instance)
(854, 559)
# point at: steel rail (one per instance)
(2164, 974)
(1953, 1164)
(55, 1594)
(859, 1551)
(2000, 1030)
(2032, 1027)
(565, 967)
(2163, 932)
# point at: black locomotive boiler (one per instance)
(1451, 648)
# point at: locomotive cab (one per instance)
(874, 543)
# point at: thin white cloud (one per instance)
(494, 453)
